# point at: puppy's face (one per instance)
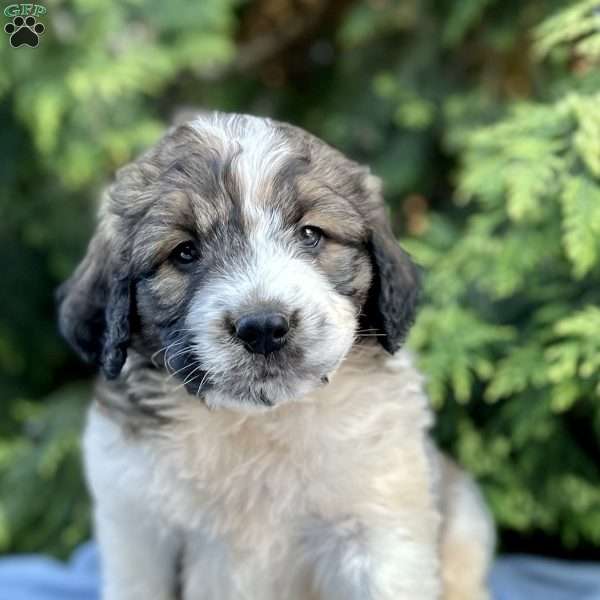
(242, 256)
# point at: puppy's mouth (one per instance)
(265, 372)
(261, 382)
(259, 368)
(256, 373)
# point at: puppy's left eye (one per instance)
(310, 237)
(184, 254)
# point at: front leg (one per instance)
(354, 559)
(138, 553)
(139, 561)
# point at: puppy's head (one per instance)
(243, 256)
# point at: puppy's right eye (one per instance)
(184, 254)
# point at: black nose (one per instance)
(263, 332)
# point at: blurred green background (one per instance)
(483, 119)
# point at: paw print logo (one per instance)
(24, 31)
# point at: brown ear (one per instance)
(94, 307)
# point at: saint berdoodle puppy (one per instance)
(257, 433)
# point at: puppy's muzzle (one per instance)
(262, 332)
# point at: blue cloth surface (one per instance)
(513, 578)
(530, 578)
(41, 578)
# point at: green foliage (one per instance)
(577, 26)
(38, 467)
(109, 60)
(512, 309)
(481, 117)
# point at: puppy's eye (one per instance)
(310, 237)
(184, 254)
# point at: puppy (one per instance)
(258, 433)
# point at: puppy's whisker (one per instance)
(165, 349)
(182, 330)
(188, 377)
(364, 335)
(169, 359)
(180, 352)
(202, 382)
(155, 354)
(174, 373)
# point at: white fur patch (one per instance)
(260, 152)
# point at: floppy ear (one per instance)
(392, 301)
(391, 305)
(94, 309)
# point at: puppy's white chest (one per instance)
(269, 506)
(238, 519)
(215, 569)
